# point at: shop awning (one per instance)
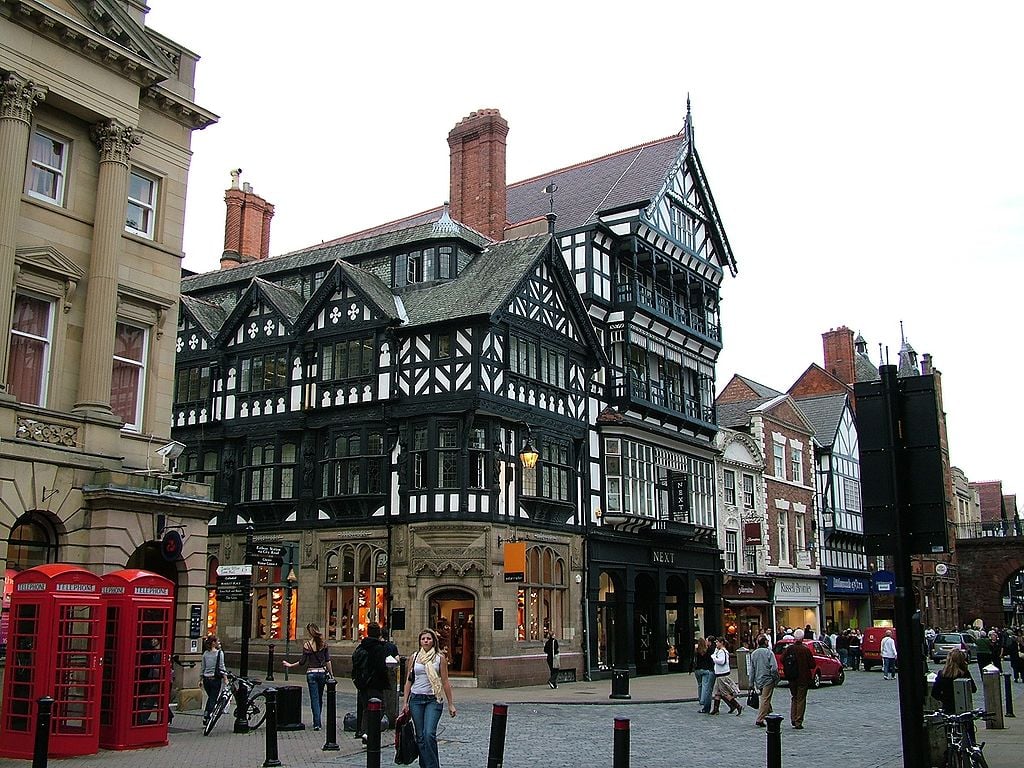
(734, 601)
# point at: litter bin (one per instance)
(289, 708)
(742, 654)
(620, 684)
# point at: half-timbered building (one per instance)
(364, 403)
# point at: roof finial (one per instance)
(688, 122)
(550, 190)
(903, 338)
(445, 225)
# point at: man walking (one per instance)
(369, 674)
(764, 674)
(888, 651)
(797, 663)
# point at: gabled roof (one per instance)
(824, 413)
(210, 316)
(365, 283)
(326, 253)
(286, 301)
(738, 414)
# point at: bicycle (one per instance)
(962, 748)
(255, 703)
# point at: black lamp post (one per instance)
(241, 723)
(289, 594)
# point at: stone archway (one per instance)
(985, 567)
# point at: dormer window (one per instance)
(424, 265)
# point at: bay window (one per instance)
(269, 472)
(355, 465)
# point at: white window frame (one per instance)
(783, 535)
(136, 425)
(731, 551)
(148, 207)
(796, 464)
(47, 341)
(60, 172)
(729, 486)
(748, 495)
(779, 456)
(798, 524)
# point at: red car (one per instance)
(827, 666)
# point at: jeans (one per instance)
(705, 684)
(426, 711)
(888, 667)
(844, 656)
(316, 682)
(212, 687)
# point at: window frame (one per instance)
(748, 495)
(732, 551)
(541, 599)
(796, 464)
(779, 460)
(43, 384)
(729, 488)
(273, 475)
(362, 590)
(149, 207)
(141, 365)
(60, 173)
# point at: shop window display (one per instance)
(355, 590)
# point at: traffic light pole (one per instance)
(911, 668)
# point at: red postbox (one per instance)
(139, 619)
(53, 649)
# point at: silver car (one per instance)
(949, 641)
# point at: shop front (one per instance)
(797, 604)
(746, 609)
(649, 597)
(847, 601)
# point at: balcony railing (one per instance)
(660, 394)
(995, 529)
(667, 307)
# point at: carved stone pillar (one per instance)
(115, 143)
(18, 97)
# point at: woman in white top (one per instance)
(426, 688)
(725, 688)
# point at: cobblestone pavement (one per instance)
(572, 727)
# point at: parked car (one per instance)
(827, 667)
(871, 645)
(948, 641)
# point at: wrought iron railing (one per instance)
(995, 529)
(659, 393)
(667, 307)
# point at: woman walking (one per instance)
(725, 687)
(764, 674)
(214, 672)
(554, 663)
(704, 671)
(316, 658)
(426, 688)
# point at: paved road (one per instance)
(857, 723)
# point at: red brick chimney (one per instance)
(247, 225)
(839, 360)
(478, 197)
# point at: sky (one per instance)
(866, 159)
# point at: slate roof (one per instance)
(373, 287)
(484, 286)
(864, 369)
(634, 175)
(325, 253)
(287, 301)
(736, 414)
(824, 413)
(210, 316)
(761, 389)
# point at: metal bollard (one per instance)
(41, 748)
(331, 717)
(1009, 695)
(774, 728)
(620, 745)
(271, 758)
(373, 711)
(620, 684)
(270, 662)
(496, 750)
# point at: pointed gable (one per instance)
(265, 311)
(816, 381)
(784, 410)
(199, 324)
(740, 389)
(825, 412)
(348, 294)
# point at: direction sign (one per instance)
(231, 594)
(266, 554)
(234, 570)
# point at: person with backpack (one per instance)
(797, 663)
(316, 658)
(369, 674)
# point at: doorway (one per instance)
(452, 613)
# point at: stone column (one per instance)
(18, 96)
(115, 143)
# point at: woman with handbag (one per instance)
(764, 675)
(425, 691)
(725, 686)
(554, 663)
(316, 658)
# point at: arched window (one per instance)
(542, 596)
(355, 595)
(607, 610)
(33, 542)
(211, 595)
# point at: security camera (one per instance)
(171, 451)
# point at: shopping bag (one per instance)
(406, 751)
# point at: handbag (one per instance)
(406, 750)
(753, 699)
(556, 663)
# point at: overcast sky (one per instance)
(866, 159)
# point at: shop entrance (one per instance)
(648, 648)
(451, 615)
(679, 650)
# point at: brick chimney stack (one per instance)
(839, 359)
(478, 196)
(246, 226)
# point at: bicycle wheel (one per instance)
(256, 710)
(218, 710)
(976, 759)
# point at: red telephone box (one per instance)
(53, 649)
(139, 617)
